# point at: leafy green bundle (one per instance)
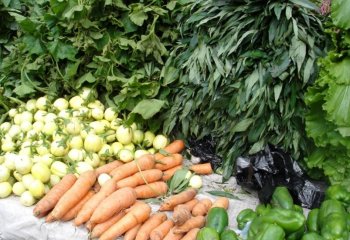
(240, 73)
(115, 46)
(328, 121)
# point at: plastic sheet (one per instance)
(273, 167)
(204, 150)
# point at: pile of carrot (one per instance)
(113, 209)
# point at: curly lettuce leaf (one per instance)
(340, 13)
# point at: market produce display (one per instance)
(43, 140)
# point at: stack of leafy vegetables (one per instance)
(240, 73)
(328, 121)
(115, 46)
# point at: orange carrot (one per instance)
(146, 228)
(176, 146)
(222, 202)
(173, 236)
(202, 208)
(50, 200)
(139, 178)
(169, 162)
(74, 194)
(191, 235)
(89, 207)
(177, 199)
(170, 172)
(137, 215)
(144, 162)
(131, 234)
(89, 226)
(151, 190)
(109, 167)
(74, 211)
(162, 230)
(114, 203)
(193, 222)
(190, 204)
(181, 214)
(49, 218)
(202, 169)
(102, 227)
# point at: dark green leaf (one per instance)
(148, 108)
(223, 194)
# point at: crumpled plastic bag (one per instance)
(273, 167)
(204, 150)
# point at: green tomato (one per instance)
(104, 177)
(27, 180)
(5, 189)
(27, 199)
(26, 126)
(23, 164)
(137, 136)
(151, 150)
(37, 189)
(195, 182)
(111, 136)
(98, 127)
(2, 159)
(5, 127)
(12, 112)
(49, 128)
(96, 104)
(93, 143)
(110, 114)
(27, 117)
(76, 142)
(10, 161)
(59, 168)
(41, 172)
(160, 142)
(83, 167)
(60, 104)
(54, 179)
(46, 159)
(65, 114)
(40, 116)
(17, 176)
(130, 147)
(116, 147)
(124, 135)
(50, 117)
(18, 188)
(42, 103)
(92, 159)
(8, 146)
(38, 126)
(115, 123)
(126, 155)
(58, 149)
(42, 148)
(18, 119)
(140, 152)
(14, 131)
(88, 93)
(148, 138)
(105, 152)
(76, 102)
(97, 113)
(76, 155)
(73, 127)
(31, 105)
(4, 173)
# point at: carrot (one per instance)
(74, 211)
(139, 178)
(131, 234)
(137, 215)
(222, 202)
(182, 212)
(173, 236)
(49, 218)
(202, 208)
(176, 146)
(162, 230)
(146, 228)
(74, 194)
(202, 169)
(48, 202)
(96, 187)
(89, 226)
(193, 222)
(151, 190)
(167, 174)
(169, 162)
(144, 162)
(191, 235)
(89, 207)
(109, 167)
(114, 203)
(177, 199)
(102, 227)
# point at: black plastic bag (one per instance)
(273, 167)
(204, 149)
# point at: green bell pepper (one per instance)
(348, 221)
(336, 227)
(296, 235)
(269, 232)
(328, 207)
(217, 219)
(298, 208)
(228, 235)
(312, 220)
(281, 198)
(291, 221)
(312, 236)
(262, 209)
(244, 217)
(338, 192)
(207, 233)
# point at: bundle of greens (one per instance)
(328, 120)
(117, 47)
(240, 72)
